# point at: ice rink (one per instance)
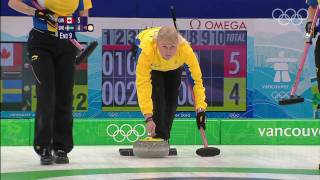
(104, 162)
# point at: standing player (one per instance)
(161, 55)
(53, 66)
(311, 13)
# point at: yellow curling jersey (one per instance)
(60, 8)
(149, 59)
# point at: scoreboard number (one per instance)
(80, 98)
(234, 95)
(234, 61)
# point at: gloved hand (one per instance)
(46, 16)
(308, 29)
(201, 120)
(151, 127)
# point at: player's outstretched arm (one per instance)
(20, 6)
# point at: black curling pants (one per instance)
(165, 92)
(52, 62)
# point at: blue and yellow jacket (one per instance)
(312, 2)
(150, 59)
(60, 8)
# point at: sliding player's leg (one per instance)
(172, 84)
(159, 104)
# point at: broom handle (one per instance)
(202, 132)
(203, 137)
(302, 61)
(305, 53)
(77, 44)
(173, 15)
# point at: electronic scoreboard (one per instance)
(223, 60)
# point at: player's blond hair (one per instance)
(169, 34)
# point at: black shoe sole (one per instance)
(46, 162)
(59, 160)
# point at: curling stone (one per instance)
(151, 148)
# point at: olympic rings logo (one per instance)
(125, 132)
(290, 16)
(234, 115)
(277, 95)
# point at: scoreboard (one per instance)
(68, 25)
(223, 61)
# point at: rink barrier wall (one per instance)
(20, 132)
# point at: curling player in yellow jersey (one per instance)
(161, 55)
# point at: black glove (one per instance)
(46, 16)
(308, 29)
(201, 120)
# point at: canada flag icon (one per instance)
(6, 53)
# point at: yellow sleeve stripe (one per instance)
(87, 4)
